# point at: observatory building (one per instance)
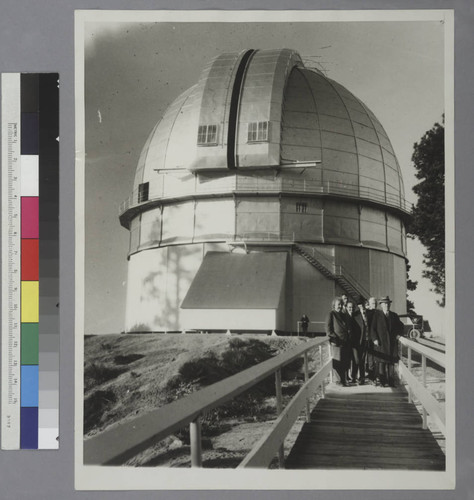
(265, 190)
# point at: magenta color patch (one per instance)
(30, 217)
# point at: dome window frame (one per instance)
(207, 135)
(258, 132)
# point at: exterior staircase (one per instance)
(334, 272)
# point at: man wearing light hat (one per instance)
(385, 330)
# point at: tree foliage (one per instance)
(428, 215)
(411, 286)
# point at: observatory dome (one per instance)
(264, 175)
(264, 108)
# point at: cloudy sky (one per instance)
(133, 71)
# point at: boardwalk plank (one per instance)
(365, 428)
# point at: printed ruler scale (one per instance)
(30, 261)
(11, 249)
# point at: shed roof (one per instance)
(237, 281)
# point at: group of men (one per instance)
(364, 340)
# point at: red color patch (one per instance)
(30, 260)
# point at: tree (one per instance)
(411, 286)
(427, 222)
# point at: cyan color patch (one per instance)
(29, 386)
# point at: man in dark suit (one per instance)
(338, 332)
(371, 364)
(385, 330)
(360, 340)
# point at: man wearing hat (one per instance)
(385, 330)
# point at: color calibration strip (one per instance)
(30, 261)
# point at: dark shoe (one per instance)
(377, 382)
(362, 381)
(346, 384)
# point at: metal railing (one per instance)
(417, 389)
(117, 445)
(342, 272)
(168, 186)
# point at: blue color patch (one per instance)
(29, 385)
(29, 428)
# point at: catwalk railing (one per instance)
(117, 445)
(169, 186)
(416, 389)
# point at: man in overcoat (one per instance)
(338, 332)
(385, 330)
(371, 363)
(360, 340)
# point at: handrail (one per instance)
(436, 356)
(340, 271)
(236, 184)
(263, 452)
(418, 389)
(120, 443)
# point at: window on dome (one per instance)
(207, 135)
(143, 190)
(258, 132)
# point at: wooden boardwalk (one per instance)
(365, 427)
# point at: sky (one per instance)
(133, 71)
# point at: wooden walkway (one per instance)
(365, 427)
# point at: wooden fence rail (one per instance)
(120, 443)
(418, 389)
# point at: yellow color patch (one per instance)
(30, 301)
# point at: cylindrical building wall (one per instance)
(264, 155)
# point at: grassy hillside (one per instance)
(125, 375)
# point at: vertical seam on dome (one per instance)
(152, 134)
(172, 126)
(234, 107)
(381, 152)
(319, 122)
(355, 138)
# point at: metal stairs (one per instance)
(340, 275)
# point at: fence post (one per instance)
(306, 378)
(423, 369)
(279, 409)
(409, 369)
(196, 445)
(320, 349)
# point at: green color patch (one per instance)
(29, 343)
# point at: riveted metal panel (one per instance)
(335, 124)
(150, 228)
(134, 234)
(394, 233)
(214, 219)
(341, 222)
(356, 262)
(340, 173)
(178, 222)
(360, 117)
(258, 218)
(332, 105)
(366, 133)
(369, 149)
(261, 100)
(302, 219)
(307, 119)
(371, 178)
(373, 230)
